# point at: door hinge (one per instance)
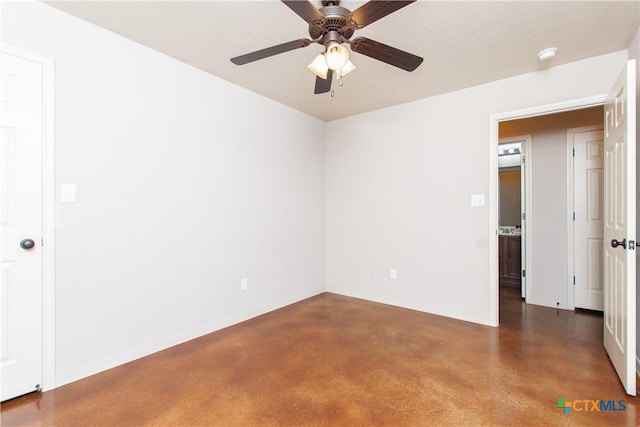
(574, 152)
(524, 216)
(524, 273)
(574, 280)
(632, 245)
(523, 161)
(574, 216)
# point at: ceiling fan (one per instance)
(331, 26)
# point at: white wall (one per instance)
(186, 184)
(399, 183)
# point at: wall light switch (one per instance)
(393, 274)
(68, 193)
(477, 200)
(244, 284)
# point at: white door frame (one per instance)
(48, 212)
(571, 270)
(494, 121)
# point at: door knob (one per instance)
(27, 244)
(615, 243)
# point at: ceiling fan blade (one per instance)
(306, 11)
(382, 52)
(270, 51)
(323, 85)
(372, 11)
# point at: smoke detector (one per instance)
(547, 54)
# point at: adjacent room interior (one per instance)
(220, 250)
(549, 206)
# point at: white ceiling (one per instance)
(462, 43)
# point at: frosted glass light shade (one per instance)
(337, 56)
(319, 66)
(348, 67)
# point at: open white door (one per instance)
(620, 227)
(21, 139)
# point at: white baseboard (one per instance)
(408, 306)
(109, 362)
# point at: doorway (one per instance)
(512, 218)
(549, 271)
(498, 123)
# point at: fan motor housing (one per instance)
(336, 20)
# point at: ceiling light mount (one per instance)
(548, 54)
(335, 19)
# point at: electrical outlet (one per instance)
(372, 273)
(244, 284)
(393, 274)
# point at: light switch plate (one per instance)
(477, 200)
(68, 193)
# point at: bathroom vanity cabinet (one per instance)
(509, 260)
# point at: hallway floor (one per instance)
(338, 361)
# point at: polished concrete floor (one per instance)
(337, 361)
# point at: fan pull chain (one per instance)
(332, 93)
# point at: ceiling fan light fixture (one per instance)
(333, 26)
(319, 66)
(348, 67)
(337, 55)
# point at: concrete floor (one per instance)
(337, 361)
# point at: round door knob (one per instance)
(615, 243)
(27, 244)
